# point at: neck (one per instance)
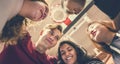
(42, 49)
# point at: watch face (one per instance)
(58, 14)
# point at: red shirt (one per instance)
(24, 53)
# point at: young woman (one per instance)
(34, 10)
(19, 49)
(70, 53)
(105, 34)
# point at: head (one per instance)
(49, 37)
(13, 30)
(98, 30)
(70, 53)
(73, 6)
(34, 10)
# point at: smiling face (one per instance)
(97, 32)
(68, 54)
(72, 7)
(49, 38)
(34, 10)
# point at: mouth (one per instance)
(93, 32)
(36, 16)
(44, 14)
(69, 58)
(49, 40)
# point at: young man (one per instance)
(70, 9)
(19, 49)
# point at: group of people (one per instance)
(103, 32)
(19, 48)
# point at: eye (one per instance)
(91, 27)
(70, 12)
(69, 49)
(57, 37)
(62, 52)
(52, 32)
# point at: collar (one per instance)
(117, 35)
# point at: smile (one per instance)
(93, 32)
(49, 40)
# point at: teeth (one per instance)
(69, 58)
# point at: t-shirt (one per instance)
(116, 48)
(24, 53)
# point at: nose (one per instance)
(91, 32)
(67, 53)
(52, 38)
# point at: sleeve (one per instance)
(53, 59)
(95, 61)
(117, 21)
(8, 9)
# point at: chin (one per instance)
(94, 39)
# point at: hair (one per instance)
(108, 24)
(54, 26)
(82, 56)
(41, 1)
(12, 29)
(81, 2)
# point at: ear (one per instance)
(41, 32)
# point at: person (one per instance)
(116, 21)
(110, 7)
(32, 9)
(104, 33)
(103, 5)
(70, 9)
(19, 49)
(70, 53)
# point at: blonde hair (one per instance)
(53, 26)
(108, 24)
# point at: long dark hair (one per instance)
(82, 57)
(12, 29)
(41, 1)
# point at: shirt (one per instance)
(24, 53)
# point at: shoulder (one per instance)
(94, 61)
